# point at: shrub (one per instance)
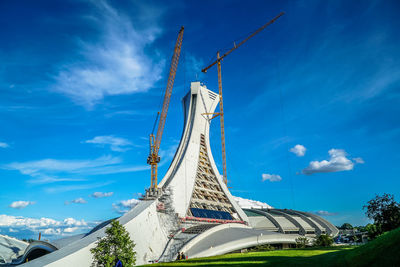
(346, 226)
(115, 246)
(323, 241)
(302, 242)
(265, 247)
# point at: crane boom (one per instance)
(236, 46)
(153, 159)
(221, 106)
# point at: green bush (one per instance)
(302, 242)
(346, 226)
(373, 230)
(116, 245)
(323, 241)
(265, 247)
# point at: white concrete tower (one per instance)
(193, 178)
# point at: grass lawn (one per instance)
(383, 251)
(290, 257)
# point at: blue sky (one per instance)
(311, 104)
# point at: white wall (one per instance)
(143, 225)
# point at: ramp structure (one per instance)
(193, 210)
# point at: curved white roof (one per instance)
(11, 248)
(286, 220)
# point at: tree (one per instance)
(373, 231)
(385, 212)
(346, 226)
(323, 241)
(115, 246)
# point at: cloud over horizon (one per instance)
(124, 206)
(249, 203)
(25, 227)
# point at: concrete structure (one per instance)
(290, 222)
(11, 248)
(194, 211)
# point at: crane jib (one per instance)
(218, 62)
(155, 142)
(236, 46)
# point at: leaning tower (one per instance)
(197, 189)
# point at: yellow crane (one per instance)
(153, 159)
(221, 106)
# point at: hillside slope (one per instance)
(383, 251)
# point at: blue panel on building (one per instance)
(213, 214)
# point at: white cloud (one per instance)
(325, 213)
(102, 194)
(116, 143)
(54, 165)
(70, 229)
(337, 162)
(72, 221)
(66, 188)
(377, 83)
(359, 160)
(54, 170)
(3, 145)
(21, 204)
(25, 227)
(299, 150)
(271, 177)
(281, 141)
(248, 203)
(125, 205)
(117, 64)
(52, 231)
(79, 201)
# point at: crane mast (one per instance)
(153, 159)
(221, 107)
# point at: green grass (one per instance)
(383, 251)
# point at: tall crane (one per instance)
(153, 159)
(221, 106)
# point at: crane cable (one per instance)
(227, 47)
(155, 122)
(283, 119)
